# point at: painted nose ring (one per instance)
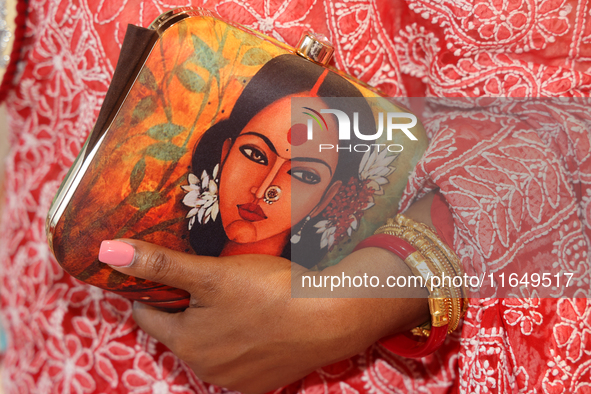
(272, 194)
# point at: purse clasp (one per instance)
(315, 47)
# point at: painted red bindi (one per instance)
(297, 135)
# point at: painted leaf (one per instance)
(165, 151)
(205, 57)
(143, 109)
(189, 79)
(145, 200)
(164, 131)
(137, 174)
(147, 79)
(115, 279)
(246, 38)
(168, 113)
(255, 57)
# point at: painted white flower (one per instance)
(327, 229)
(202, 197)
(376, 167)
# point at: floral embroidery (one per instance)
(149, 376)
(521, 312)
(69, 365)
(281, 21)
(416, 48)
(71, 55)
(574, 332)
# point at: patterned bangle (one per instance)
(427, 256)
(449, 253)
(401, 344)
(444, 264)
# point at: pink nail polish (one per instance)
(117, 253)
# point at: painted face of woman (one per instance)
(272, 177)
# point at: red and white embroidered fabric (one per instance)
(520, 197)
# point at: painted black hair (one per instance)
(282, 76)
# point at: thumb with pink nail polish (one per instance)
(116, 253)
(155, 263)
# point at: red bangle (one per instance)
(407, 345)
(396, 245)
(404, 344)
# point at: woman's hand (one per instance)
(243, 330)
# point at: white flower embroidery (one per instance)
(202, 197)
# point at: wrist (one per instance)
(364, 313)
(351, 325)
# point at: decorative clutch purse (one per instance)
(214, 139)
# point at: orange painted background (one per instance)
(132, 189)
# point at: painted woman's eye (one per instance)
(254, 154)
(308, 177)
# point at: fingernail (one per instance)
(117, 253)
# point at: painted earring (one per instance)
(297, 236)
(272, 194)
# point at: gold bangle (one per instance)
(436, 259)
(450, 264)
